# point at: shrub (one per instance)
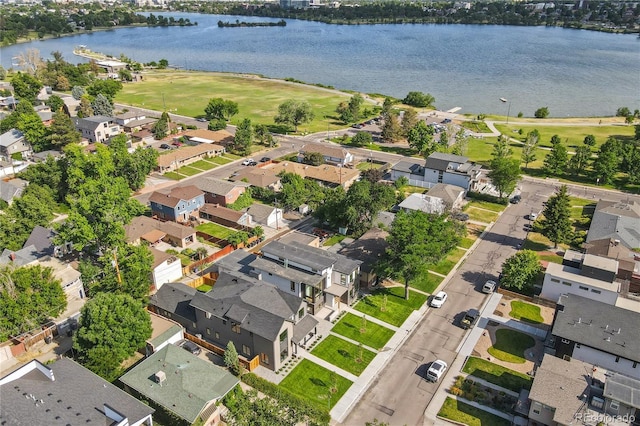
(487, 197)
(542, 112)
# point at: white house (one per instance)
(332, 154)
(13, 142)
(440, 168)
(265, 215)
(166, 268)
(595, 278)
(424, 203)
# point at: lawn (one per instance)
(426, 282)
(481, 215)
(343, 354)
(335, 239)
(215, 230)
(204, 288)
(464, 413)
(510, 346)
(476, 126)
(396, 310)
(446, 265)
(220, 160)
(203, 165)
(473, 233)
(366, 165)
(487, 205)
(173, 175)
(497, 374)
(375, 336)
(316, 384)
(526, 312)
(258, 98)
(188, 171)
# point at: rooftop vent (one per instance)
(160, 377)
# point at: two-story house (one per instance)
(178, 205)
(98, 128)
(440, 168)
(584, 275)
(13, 142)
(222, 192)
(260, 319)
(598, 333)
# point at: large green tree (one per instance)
(362, 203)
(108, 88)
(607, 164)
(62, 132)
(26, 86)
(294, 113)
(349, 112)
(408, 121)
(555, 163)
(556, 223)
(244, 137)
(580, 159)
(417, 239)
(420, 138)
(520, 271)
(111, 328)
(101, 105)
(29, 296)
(219, 108)
(505, 171)
(419, 99)
(391, 130)
(529, 148)
(34, 131)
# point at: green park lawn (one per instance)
(464, 413)
(316, 384)
(497, 374)
(258, 98)
(526, 312)
(426, 282)
(510, 346)
(374, 335)
(343, 354)
(476, 126)
(396, 309)
(446, 265)
(215, 230)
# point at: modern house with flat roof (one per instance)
(440, 168)
(182, 384)
(97, 128)
(66, 393)
(597, 333)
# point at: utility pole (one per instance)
(115, 265)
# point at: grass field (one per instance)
(173, 175)
(476, 126)
(426, 282)
(481, 215)
(510, 346)
(486, 205)
(463, 413)
(374, 335)
(497, 374)
(335, 239)
(215, 230)
(315, 384)
(343, 354)
(396, 309)
(526, 312)
(446, 265)
(188, 171)
(188, 93)
(221, 160)
(203, 165)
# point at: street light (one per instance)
(504, 101)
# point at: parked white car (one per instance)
(438, 300)
(489, 287)
(436, 370)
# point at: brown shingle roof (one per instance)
(172, 199)
(143, 225)
(324, 173)
(218, 211)
(218, 136)
(326, 150)
(188, 152)
(260, 178)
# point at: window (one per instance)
(617, 359)
(207, 315)
(614, 405)
(208, 331)
(264, 358)
(246, 350)
(194, 325)
(566, 283)
(555, 280)
(293, 286)
(596, 291)
(301, 313)
(235, 328)
(217, 335)
(581, 287)
(565, 341)
(635, 364)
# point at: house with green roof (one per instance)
(182, 384)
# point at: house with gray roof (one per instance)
(440, 168)
(222, 192)
(13, 142)
(98, 128)
(259, 177)
(66, 393)
(619, 221)
(12, 189)
(320, 277)
(259, 318)
(332, 154)
(368, 249)
(423, 203)
(597, 333)
(265, 215)
(182, 384)
(451, 195)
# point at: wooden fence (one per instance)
(531, 299)
(209, 259)
(247, 364)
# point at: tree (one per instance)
(26, 87)
(102, 106)
(244, 137)
(294, 113)
(529, 148)
(607, 164)
(62, 132)
(459, 147)
(55, 103)
(313, 158)
(504, 174)
(542, 112)
(77, 92)
(580, 159)
(637, 132)
(363, 201)
(629, 119)
(108, 88)
(386, 107)
(34, 131)
(631, 162)
(417, 239)
(85, 110)
(219, 108)
(362, 139)
(420, 138)
(409, 120)
(501, 148)
(555, 163)
(237, 238)
(623, 112)
(29, 296)
(163, 63)
(391, 130)
(556, 224)
(589, 140)
(520, 271)
(373, 175)
(62, 83)
(217, 124)
(111, 328)
(263, 135)
(231, 358)
(161, 128)
(419, 99)
(350, 112)
(125, 75)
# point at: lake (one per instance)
(572, 72)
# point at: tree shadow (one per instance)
(317, 382)
(344, 353)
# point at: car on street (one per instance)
(436, 370)
(446, 121)
(165, 146)
(201, 119)
(265, 159)
(438, 300)
(533, 216)
(515, 199)
(489, 287)
(249, 162)
(470, 318)
(188, 345)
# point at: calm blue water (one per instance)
(577, 73)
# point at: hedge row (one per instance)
(487, 197)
